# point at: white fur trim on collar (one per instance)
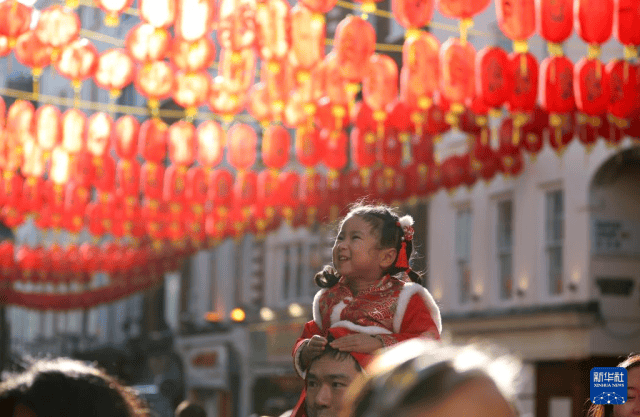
(408, 291)
(337, 311)
(316, 308)
(361, 329)
(405, 221)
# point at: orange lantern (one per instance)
(181, 138)
(276, 142)
(336, 147)
(193, 56)
(32, 53)
(155, 81)
(555, 19)
(379, 87)
(238, 69)
(191, 90)
(78, 61)
(99, 128)
(152, 181)
(125, 137)
(457, 72)
(591, 86)
(15, 19)
(114, 71)
(242, 142)
(517, 20)
(153, 140)
(461, 9)
(236, 24)
(273, 29)
(194, 18)
(419, 76)
(158, 13)
(210, 140)
(74, 128)
(354, 43)
(48, 127)
(146, 43)
(307, 38)
(308, 147)
(493, 82)
(113, 9)
(57, 26)
(412, 14)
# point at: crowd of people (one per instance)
(373, 349)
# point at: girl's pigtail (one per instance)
(327, 278)
(414, 276)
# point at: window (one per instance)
(554, 237)
(505, 248)
(463, 253)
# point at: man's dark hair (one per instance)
(189, 409)
(336, 354)
(69, 388)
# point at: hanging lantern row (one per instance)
(130, 270)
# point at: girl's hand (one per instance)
(313, 348)
(358, 342)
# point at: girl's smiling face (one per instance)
(357, 252)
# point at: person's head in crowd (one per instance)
(424, 378)
(189, 409)
(632, 407)
(66, 387)
(327, 378)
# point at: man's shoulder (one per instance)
(286, 413)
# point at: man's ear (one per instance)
(387, 257)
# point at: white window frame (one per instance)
(463, 246)
(501, 249)
(553, 243)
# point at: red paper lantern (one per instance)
(57, 26)
(196, 189)
(128, 179)
(158, 13)
(191, 90)
(193, 56)
(60, 166)
(181, 138)
(594, 20)
(78, 60)
(194, 19)
(74, 128)
(15, 19)
(236, 24)
(555, 19)
(379, 84)
(222, 101)
(308, 147)
(153, 140)
(267, 191)
(524, 70)
(331, 115)
(273, 29)
(175, 182)
(556, 85)
(587, 128)
(419, 76)
(114, 71)
(147, 44)
(364, 147)
(623, 77)
(307, 37)
(155, 80)
(152, 180)
(125, 137)
(591, 86)
(219, 186)
(113, 9)
(412, 14)
(494, 80)
(354, 43)
(32, 53)
(258, 103)
(105, 174)
(313, 195)
(238, 69)
(242, 142)
(517, 20)
(276, 142)
(274, 76)
(626, 23)
(333, 84)
(389, 150)
(319, 7)
(288, 193)
(32, 195)
(461, 9)
(457, 71)
(83, 170)
(422, 148)
(33, 163)
(245, 189)
(562, 131)
(211, 138)
(336, 146)
(48, 127)
(99, 128)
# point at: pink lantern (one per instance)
(191, 89)
(125, 137)
(194, 19)
(146, 43)
(78, 60)
(307, 38)
(74, 127)
(237, 24)
(155, 80)
(193, 56)
(210, 138)
(115, 70)
(158, 13)
(57, 26)
(48, 127)
(273, 29)
(99, 128)
(182, 141)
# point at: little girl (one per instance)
(372, 299)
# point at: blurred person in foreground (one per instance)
(64, 387)
(189, 409)
(423, 378)
(326, 379)
(632, 407)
